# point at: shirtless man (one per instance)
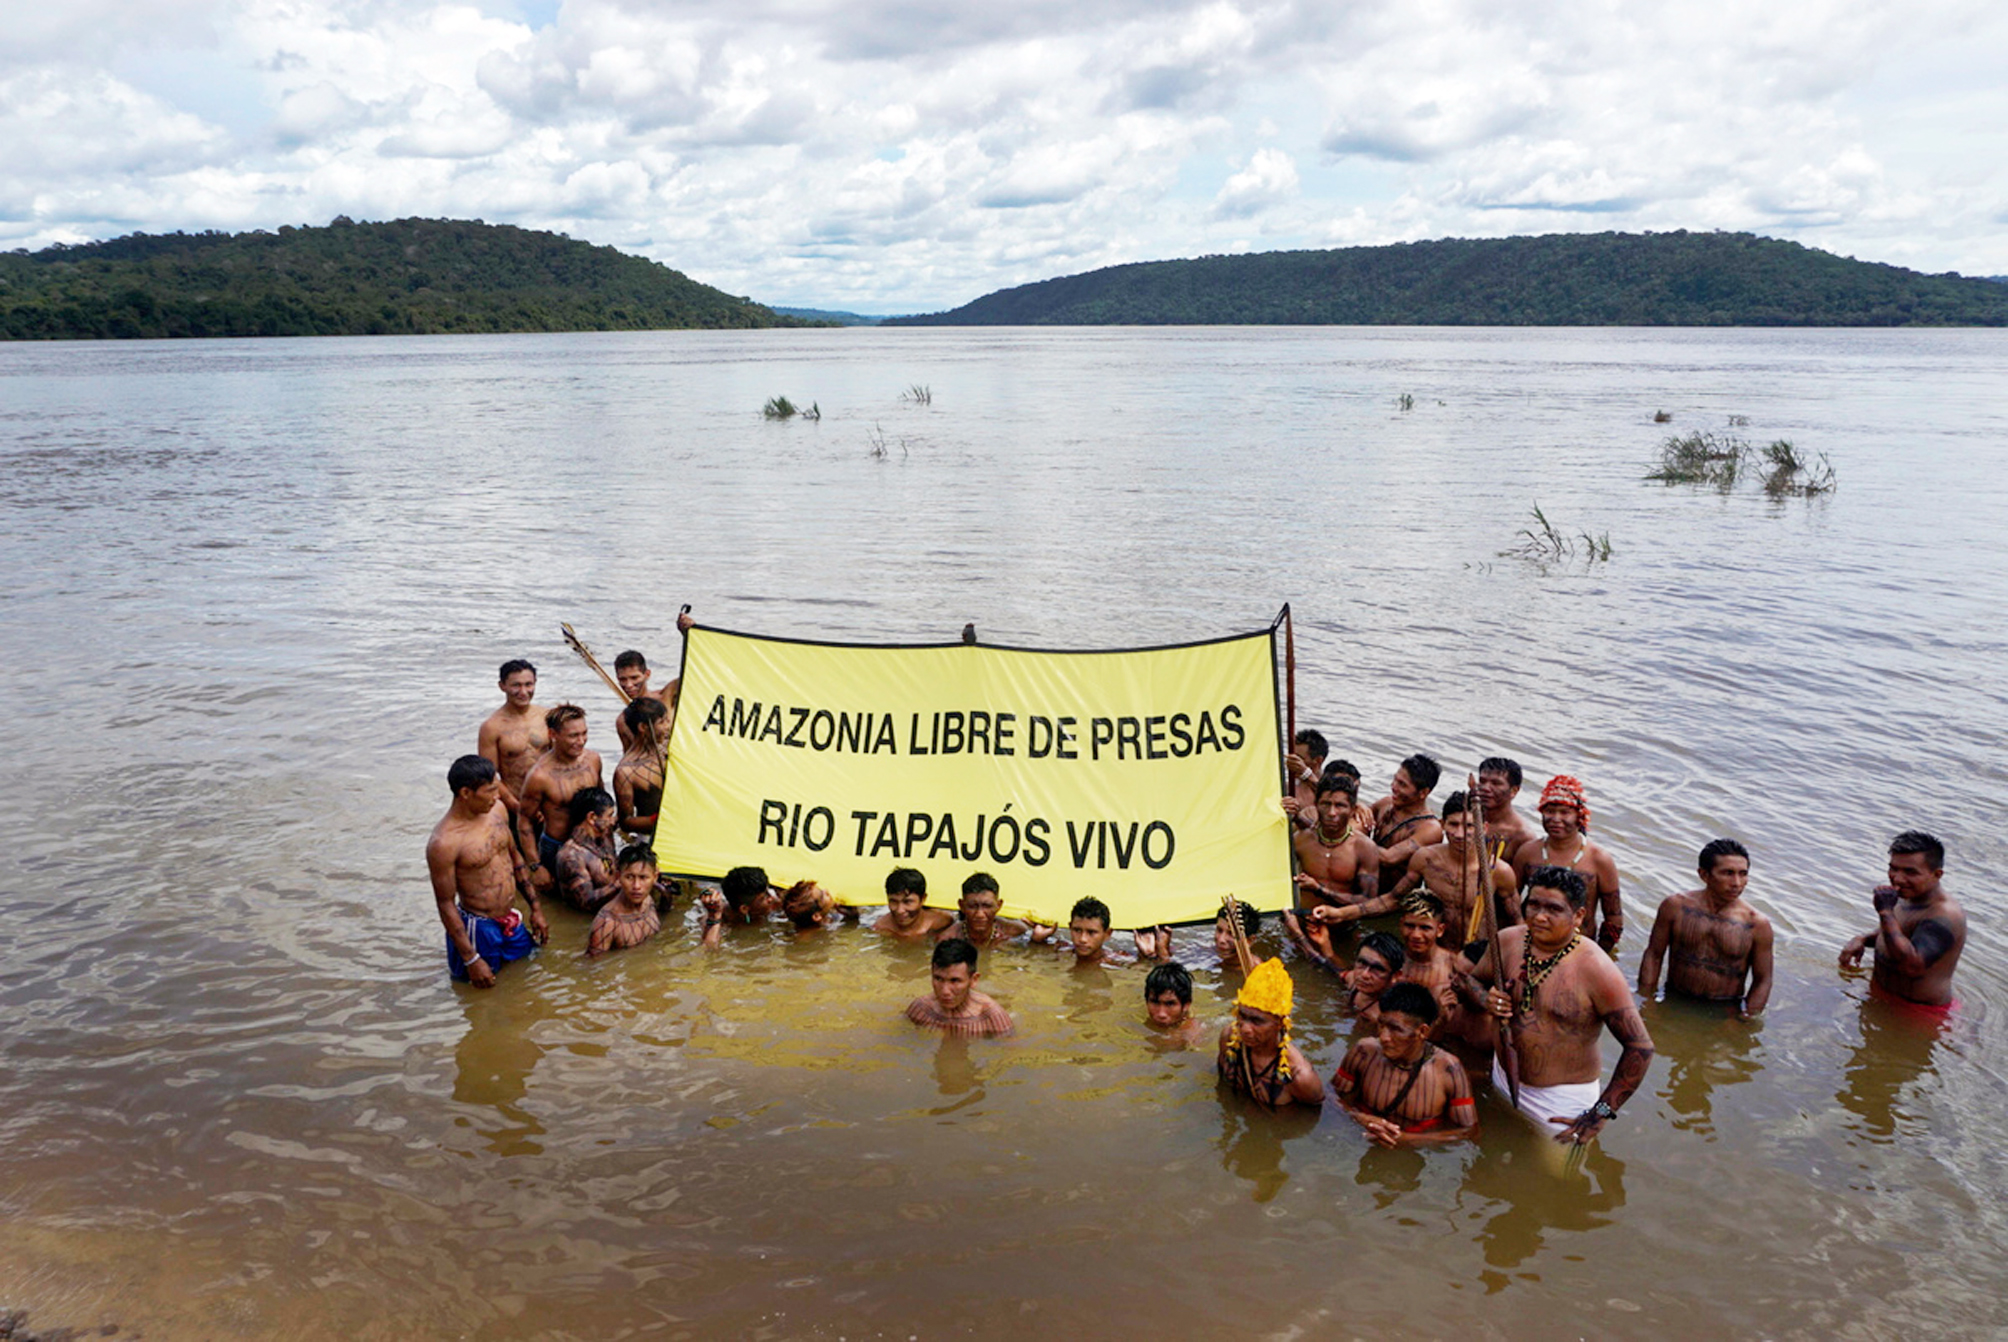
(1449, 871)
(1363, 815)
(1557, 998)
(1167, 1006)
(587, 874)
(542, 817)
(1402, 1089)
(955, 1007)
(979, 924)
(638, 776)
(811, 908)
(514, 736)
(476, 875)
(1498, 784)
(1374, 970)
(1302, 766)
(907, 917)
(630, 917)
(1255, 1056)
(1721, 947)
(1430, 964)
(1088, 936)
(1337, 867)
(1403, 825)
(1920, 930)
(746, 898)
(1565, 818)
(631, 674)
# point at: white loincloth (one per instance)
(1542, 1103)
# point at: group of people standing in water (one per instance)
(1488, 948)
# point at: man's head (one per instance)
(743, 886)
(644, 717)
(1414, 778)
(1725, 868)
(1552, 903)
(1407, 1013)
(1916, 861)
(1348, 768)
(1456, 825)
(1421, 924)
(473, 774)
(1498, 782)
(518, 680)
(1262, 1007)
(1223, 929)
(1336, 795)
(1167, 995)
(1565, 807)
(1312, 748)
(636, 868)
(905, 896)
(808, 905)
(631, 671)
(1088, 927)
(592, 810)
(567, 725)
(979, 904)
(1380, 958)
(953, 973)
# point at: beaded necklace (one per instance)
(1344, 834)
(1533, 972)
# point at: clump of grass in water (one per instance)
(877, 449)
(1662, 417)
(1701, 459)
(1739, 421)
(1405, 401)
(780, 407)
(1794, 476)
(1546, 543)
(918, 394)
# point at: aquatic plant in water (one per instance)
(1546, 543)
(779, 407)
(1701, 459)
(1793, 476)
(1405, 401)
(918, 394)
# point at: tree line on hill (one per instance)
(405, 277)
(1561, 279)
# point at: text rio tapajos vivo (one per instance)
(1001, 839)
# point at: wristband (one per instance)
(1601, 1111)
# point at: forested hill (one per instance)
(410, 276)
(1560, 279)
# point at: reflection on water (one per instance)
(256, 597)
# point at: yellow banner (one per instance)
(1148, 779)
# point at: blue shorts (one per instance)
(496, 940)
(547, 853)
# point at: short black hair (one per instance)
(1917, 841)
(1454, 803)
(630, 658)
(1251, 917)
(1718, 849)
(646, 709)
(743, 885)
(1423, 772)
(1570, 883)
(905, 881)
(1089, 907)
(1499, 764)
(589, 801)
(1387, 948)
(635, 853)
(952, 951)
(1411, 999)
(1345, 783)
(1314, 742)
(1346, 767)
(512, 666)
(1171, 977)
(469, 771)
(981, 880)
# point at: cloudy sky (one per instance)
(901, 155)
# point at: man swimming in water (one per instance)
(1397, 1085)
(476, 874)
(1498, 784)
(811, 908)
(1338, 867)
(1920, 930)
(1167, 1006)
(1565, 818)
(1088, 936)
(630, 918)
(979, 906)
(1721, 947)
(514, 737)
(907, 916)
(1255, 1056)
(1558, 997)
(954, 1006)
(748, 898)
(638, 776)
(587, 876)
(543, 818)
(1403, 825)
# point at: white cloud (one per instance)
(893, 154)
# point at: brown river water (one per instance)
(256, 594)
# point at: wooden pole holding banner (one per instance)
(1474, 833)
(1290, 675)
(585, 655)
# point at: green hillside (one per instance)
(1560, 279)
(407, 277)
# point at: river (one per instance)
(256, 593)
